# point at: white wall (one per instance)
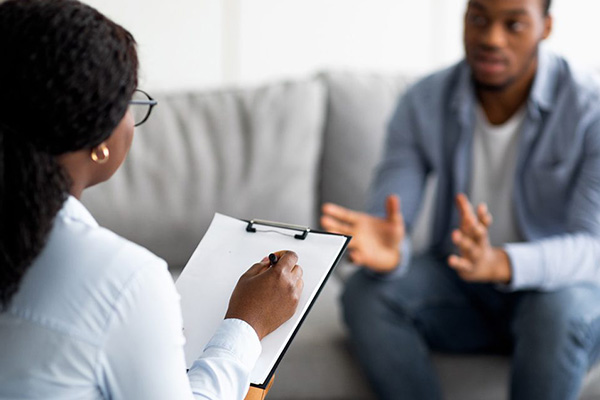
(291, 37)
(210, 43)
(180, 42)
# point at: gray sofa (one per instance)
(276, 152)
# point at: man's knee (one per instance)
(562, 321)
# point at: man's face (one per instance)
(501, 39)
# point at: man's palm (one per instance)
(375, 241)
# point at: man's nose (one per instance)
(494, 36)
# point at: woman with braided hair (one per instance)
(85, 313)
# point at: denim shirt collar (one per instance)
(544, 84)
(463, 99)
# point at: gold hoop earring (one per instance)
(100, 154)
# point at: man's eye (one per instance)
(515, 26)
(477, 20)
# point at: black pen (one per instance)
(273, 259)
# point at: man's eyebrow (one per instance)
(517, 12)
(476, 4)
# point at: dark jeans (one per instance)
(554, 337)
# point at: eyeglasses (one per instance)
(141, 106)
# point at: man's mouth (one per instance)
(488, 64)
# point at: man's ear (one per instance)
(548, 21)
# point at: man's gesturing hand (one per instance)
(477, 260)
(266, 296)
(375, 241)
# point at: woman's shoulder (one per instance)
(94, 251)
(81, 275)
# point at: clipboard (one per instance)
(227, 250)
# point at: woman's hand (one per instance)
(267, 295)
(375, 241)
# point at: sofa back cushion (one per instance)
(249, 153)
(359, 108)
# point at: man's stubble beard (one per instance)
(485, 87)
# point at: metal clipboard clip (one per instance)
(301, 236)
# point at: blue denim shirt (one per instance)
(557, 181)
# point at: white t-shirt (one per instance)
(493, 173)
(98, 317)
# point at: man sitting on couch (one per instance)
(519, 131)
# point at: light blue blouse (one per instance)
(98, 317)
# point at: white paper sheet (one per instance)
(223, 255)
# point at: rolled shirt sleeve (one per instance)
(223, 370)
(571, 257)
(554, 262)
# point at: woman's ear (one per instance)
(548, 22)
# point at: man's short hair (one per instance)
(547, 6)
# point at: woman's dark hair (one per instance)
(66, 75)
(547, 4)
